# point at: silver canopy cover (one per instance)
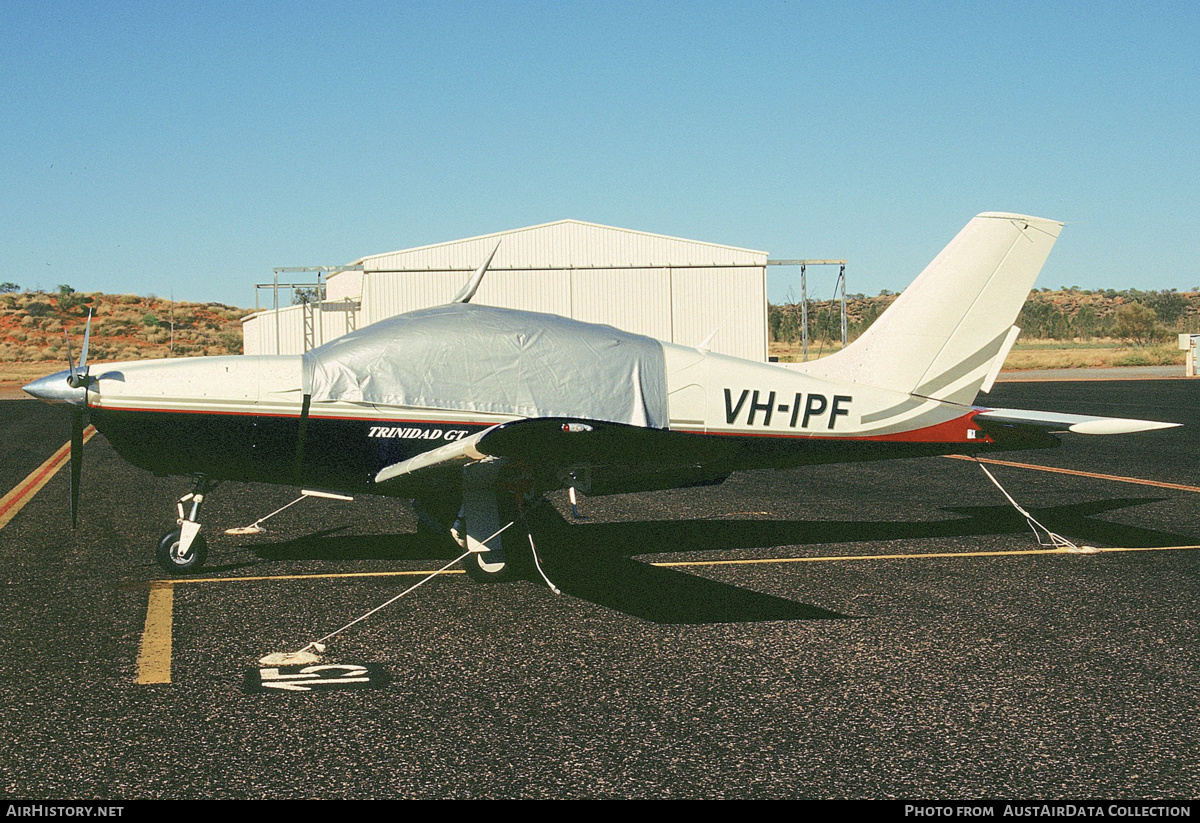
(499, 361)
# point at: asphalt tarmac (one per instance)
(993, 673)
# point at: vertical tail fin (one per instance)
(942, 335)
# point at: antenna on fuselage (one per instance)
(704, 345)
(468, 291)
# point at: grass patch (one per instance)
(1064, 354)
(1037, 354)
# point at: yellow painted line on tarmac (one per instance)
(184, 581)
(916, 556)
(154, 653)
(1114, 477)
(24, 491)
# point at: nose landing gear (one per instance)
(183, 549)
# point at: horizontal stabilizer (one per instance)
(1077, 423)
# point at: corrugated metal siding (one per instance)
(386, 294)
(251, 329)
(344, 285)
(638, 301)
(544, 291)
(726, 301)
(288, 340)
(330, 320)
(337, 318)
(565, 243)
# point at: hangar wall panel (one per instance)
(726, 301)
(637, 300)
(329, 320)
(344, 285)
(565, 243)
(251, 329)
(386, 294)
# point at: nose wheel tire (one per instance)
(172, 561)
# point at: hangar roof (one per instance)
(565, 243)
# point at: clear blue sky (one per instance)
(187, 148)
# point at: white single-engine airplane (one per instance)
(473, 411)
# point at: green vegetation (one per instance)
(302, 296)
(1139, 317)
(69, 301)
(824, 318)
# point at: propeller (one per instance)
(78, 379)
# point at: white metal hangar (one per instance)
(682, 291)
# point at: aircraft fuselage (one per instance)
(241, 418)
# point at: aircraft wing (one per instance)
(633, 457)
(1077, 423)
(604, 458)
(451, 455)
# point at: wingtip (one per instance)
(1119, 426)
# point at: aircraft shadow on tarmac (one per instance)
(594, 561)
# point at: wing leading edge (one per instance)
(553, 447)
(637, 458)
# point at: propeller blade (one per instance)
(74, 378)
(76, 461)
(87, 335)
(79, 374)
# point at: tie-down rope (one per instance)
(1052, 539)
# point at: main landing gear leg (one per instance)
(487, 508)
(184, 549)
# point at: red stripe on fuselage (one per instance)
(951, 431)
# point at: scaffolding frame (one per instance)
(839, 285)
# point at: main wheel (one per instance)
(487, 567)
(511, 559)
(172, 561)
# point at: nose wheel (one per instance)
(175, 561)
(183, 549)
